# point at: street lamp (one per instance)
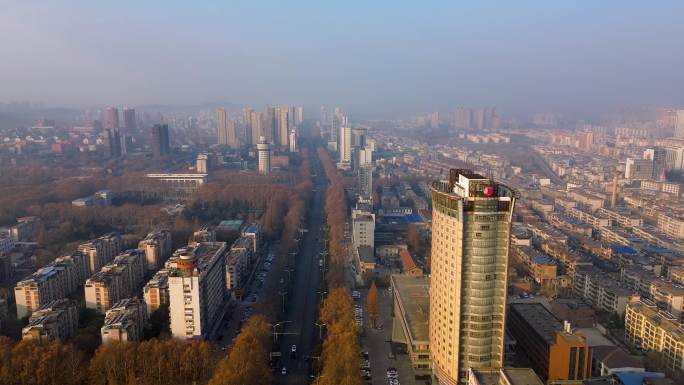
(283, 294)
(320, 329)
(275, 325)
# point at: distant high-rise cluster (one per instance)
(476, 118)
(226, 129)
(276, 125)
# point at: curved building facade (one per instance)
(471, 223)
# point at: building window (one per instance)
(572, 364)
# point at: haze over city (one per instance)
(341, 193)
(377, 59)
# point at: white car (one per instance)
(294, 348)
(283, 371)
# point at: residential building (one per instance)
(671, 224)
(471, 223)
(56, 320)
(24, 229)
(196, 289)
(157, 247)
(669, 296)
(648, 328)
(554, 350)
(55, 281)
(100, 251)
(117, 280)
(156, 290)
(638, 169)
(600, 290)
(124, 321)
(365, 173)
(363, 228)
(345, 144)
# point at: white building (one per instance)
(345, 144)
(264, 154)
(363, 225)
(196, 289)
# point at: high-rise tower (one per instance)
(345, 144)
(160, 140)
(470, 245)
(112, 118)
(264, 153)
(221, 126)
(129, 119)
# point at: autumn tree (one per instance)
(247, 361)
(341, 348)
(373, 304)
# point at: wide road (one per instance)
(302, 309)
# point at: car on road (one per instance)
(283, 371)
(294, 348)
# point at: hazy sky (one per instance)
(370, 57)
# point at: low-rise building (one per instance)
(411, 316)
(555, 351)
(408, 265)
(124, 321)
(503, 376)
(24, 229)
(601, 291)
(365, 260)
(56, 320)
(668, 296)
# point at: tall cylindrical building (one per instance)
(471, 223)
(264, 153)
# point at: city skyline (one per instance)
(382, 62)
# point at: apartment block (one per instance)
(54, 281)
(100, 251)
(115, 281)
(157, 247)
(648, 328)
(600, 290)
(197, 286)
(124, 321)
(156, 291)
(56, 320)
(671, 224)
(669, 296)
(363, 229)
